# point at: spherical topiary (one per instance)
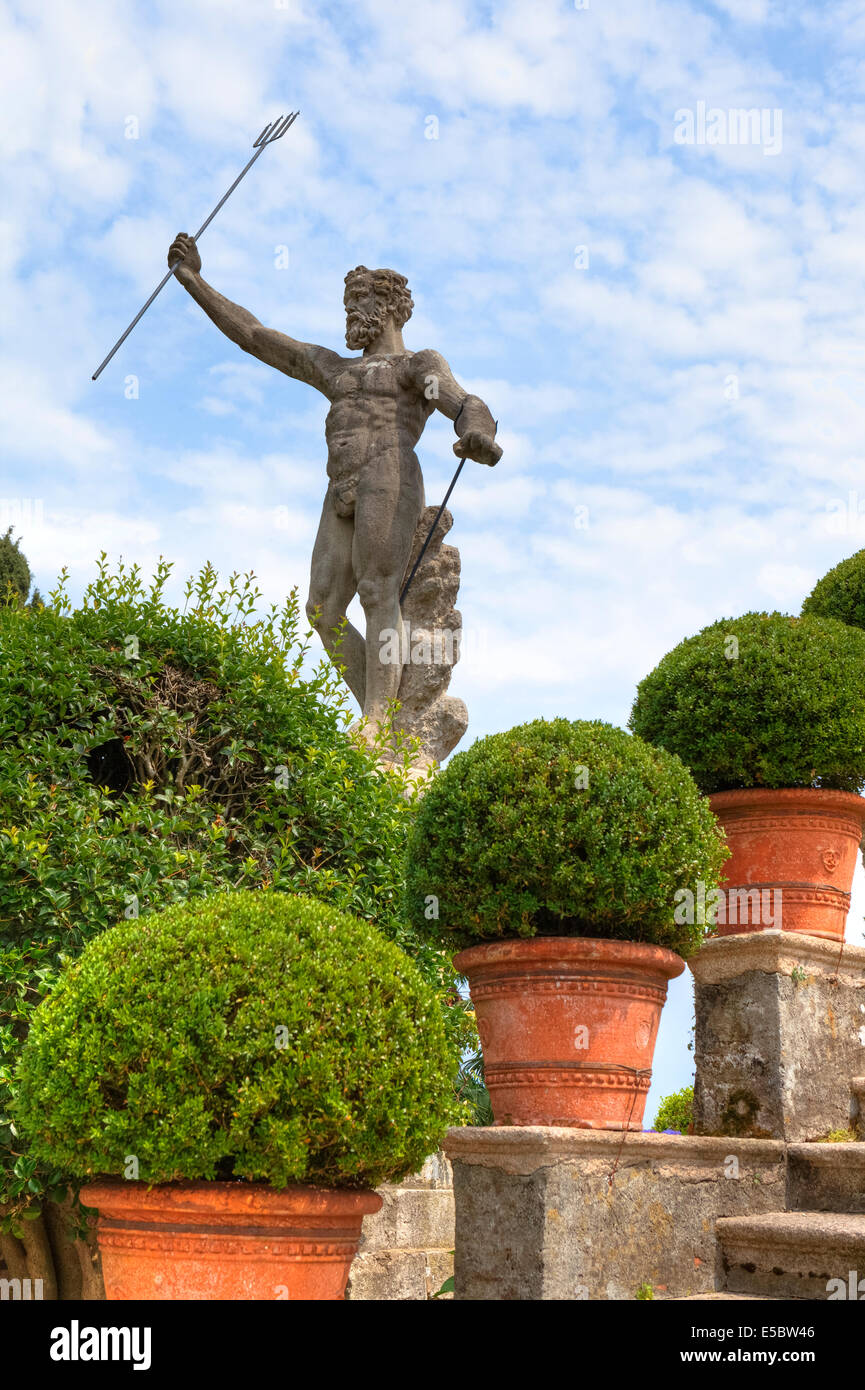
(764, 700)
(840, 593)
(561, 829)
(251, 1035)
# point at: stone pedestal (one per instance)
(406, 1249)
(433, 630)
(551, 1213)
(780, 1035)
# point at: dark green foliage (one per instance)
(764, 700)
(561, 829)
(840, 593)
(676, 1111)
(252, 1035)
(14, 570)
(472, 1089)
(213, 759)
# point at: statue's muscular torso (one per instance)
(377, 415)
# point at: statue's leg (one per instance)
(331, 589)
(389, 502)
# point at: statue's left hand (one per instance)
(478, 446)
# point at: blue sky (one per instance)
(681, 402)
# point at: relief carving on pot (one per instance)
(484, 1033)
(643, 1032)
(831, 859)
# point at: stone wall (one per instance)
(553, 1213)
(406, 1249)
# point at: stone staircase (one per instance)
(794, 1254)
(406, 1250)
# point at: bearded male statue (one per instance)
(379, 404)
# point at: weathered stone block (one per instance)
(550, 1213)
(420, 1218)
(794, 1254)
(780, 1035)
(406, 1249)
(826, 1177)
(398, 1275)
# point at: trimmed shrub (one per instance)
(840, 594)
(765, 700)
(676, 1111)
(561, 829)
(252, 1035)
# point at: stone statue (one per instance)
(374, 505)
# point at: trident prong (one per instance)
(273, 131)
(276, 129)
(289, 121)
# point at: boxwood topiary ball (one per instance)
(561, 829)
(251, 1035)
(764, 700)
(840, 593)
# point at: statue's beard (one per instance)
(362, 329)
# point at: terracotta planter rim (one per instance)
(589, 951)
(119, 1196)
(761, 797)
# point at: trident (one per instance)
(274, 131)
(438, 517)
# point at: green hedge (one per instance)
(840, 593)
(249, 1035)
(153, 754)
(559, 828)
(765, 700)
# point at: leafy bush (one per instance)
(561, 829)
(676, 1111)
(840, 593)
(472, 1090)
(14, 569)
(765, 700)
(250, 1035)
(151, 756)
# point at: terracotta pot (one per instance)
(226, 1240)
(795, 850)
(568, 1027)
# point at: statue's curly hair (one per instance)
(389, 286)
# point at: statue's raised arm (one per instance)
(305, 361)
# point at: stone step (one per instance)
(793, 1254)
(399, 1275)
(411, 1218)
(826, 1177)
